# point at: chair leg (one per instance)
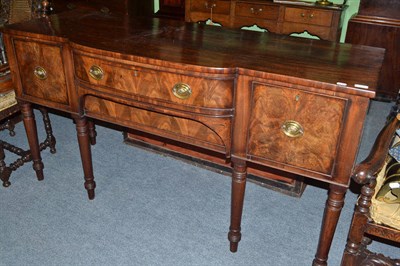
(5, 171)
(50, 140)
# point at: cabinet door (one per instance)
(293, 127)
(42, 72)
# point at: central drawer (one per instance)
(296, 128)
(218, 7)
(254, 10)
(196, 92)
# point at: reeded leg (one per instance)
(333, 208)
(31, 132)
(92, 132)
(82, 130)
(238, 189)
(50, 140)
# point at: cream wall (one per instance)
(352, 9)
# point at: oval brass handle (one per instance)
(96, 72)
(40, 72)
(182, 91)
(292, 129)
(311, 15)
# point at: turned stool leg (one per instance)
(238, 189)
(50, 139)
(82, 130)
(5, 172)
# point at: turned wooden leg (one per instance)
(5, 172)
(82, 130)
(239, 175)
(50, 140)
(31, 132)
(333, 208)
(92, 132)
(356, 240)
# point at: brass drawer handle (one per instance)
(182, 91)
(40, 73)
(96, 72)
(292, 129)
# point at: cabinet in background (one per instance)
(378, 24)
(324, 22)
(172, 9)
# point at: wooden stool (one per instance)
(9, 115)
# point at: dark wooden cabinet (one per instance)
(134, 7)
(172, 9)
(378, 24)
(321, 21)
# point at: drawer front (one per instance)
(257, 11)
(218, 7)
(177, 89)
(42, 73)
(207, 132)
(294, 127)
(308, 16)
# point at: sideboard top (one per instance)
(191, 46)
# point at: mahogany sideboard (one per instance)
(292, 104)
(324, 22)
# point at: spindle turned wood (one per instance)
(225, 90)
(363, 227)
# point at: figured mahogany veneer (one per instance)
(287, 104)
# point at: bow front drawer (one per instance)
(190, 90)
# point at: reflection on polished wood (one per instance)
(244, 86)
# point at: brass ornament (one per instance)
(292, 129)
(40, 73)
(324, 3)
(182, 91)
(96, 72)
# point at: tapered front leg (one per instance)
(82, 130)
(31, 133)
(239, 175)
(333, 208)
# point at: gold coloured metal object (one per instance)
(40, 72)
(182, 91)
(96, 72)
(292, 129)
(324, 3)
